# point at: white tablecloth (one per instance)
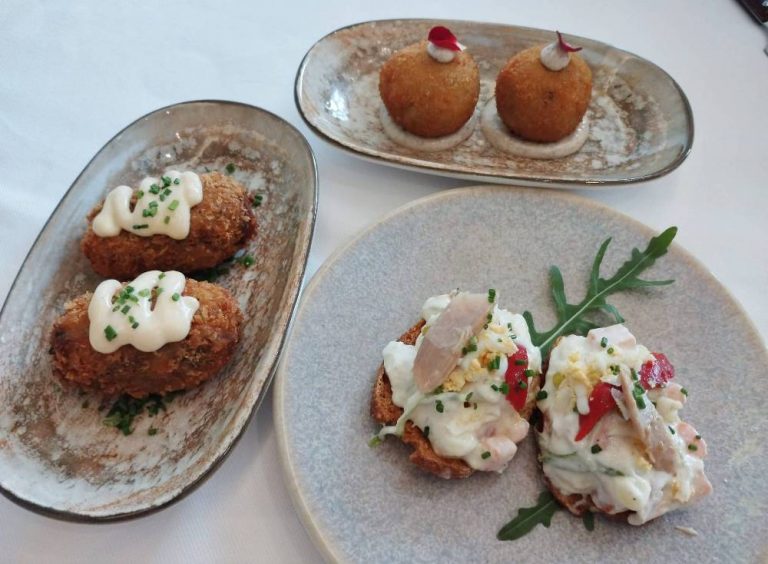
(74, 73)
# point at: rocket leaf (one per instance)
(578, 318)
(528, 517)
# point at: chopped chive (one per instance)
(698, 437)
(173, 205)
(141, 226)
(166, 181)
(542, 395)
(375, 441)
(257, 200)
(176, 297)
(633, 373)
(489, 317)
(615, 369)
(604, 342)
(523, 385)
(167, 192)
(439, 406)
(469, 396)
(426, 432)
(494, 387)
(134, 325)
(134, 299)
(154, 189)
(610, 350)
(247, 261)
(671, 430)
(162, 197)
(144, 293)
(529, 373)
(129, 289)
(126, 309)
(110, 333)
(504, 388)
(684, 391)
(116, 307)
(495, 363)
(485, 455)
(693, 447)
(167, 219)
(438, 390)
(162, 275)
(491, 295)
(230, 168)
(159, 290)
(595, 449)
(139, 194)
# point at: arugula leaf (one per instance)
(575, 318)
(528, 517)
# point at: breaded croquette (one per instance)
(219, 225)
(538, 104)
(426, 97)
(211, 342)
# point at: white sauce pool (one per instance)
(124, 315)
(162, 207)
(402, 137)
(501, 138)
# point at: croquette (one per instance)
(211, 342)
(538, 104)
(219, 226)
(428, 98)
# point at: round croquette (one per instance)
(219, 225)
(212, 339)
(538, 104)
(428, 98)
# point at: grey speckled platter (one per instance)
(642, 125)
(56, 457)
(371, 505)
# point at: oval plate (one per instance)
(373, 505)
(56, 457)
(643, 126)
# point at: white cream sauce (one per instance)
(440, 54)
(124, 315)
(554, 57)
(469, 418)
(500, 137)
(162, 207)
(610, 463)
(428, 144)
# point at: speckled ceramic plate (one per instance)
(372, 505)
(642, 126)
(56, 456)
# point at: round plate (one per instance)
(373, 505)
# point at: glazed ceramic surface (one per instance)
(641, 122)
(364, 504)
(56, 456)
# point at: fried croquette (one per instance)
(538, 104)
(428, 98)
(219, 225)
(211, 342)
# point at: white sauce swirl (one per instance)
(428, 144)
(440, 54)
(162, 207)
(554, 57)
(500, 137)
(483, 430)
(124, 315)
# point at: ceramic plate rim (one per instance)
(511, 180)
(76, 517)
(311, 525)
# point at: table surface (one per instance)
(74, 73)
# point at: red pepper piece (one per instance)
(600, 402)
(656, 373)
(516, 379)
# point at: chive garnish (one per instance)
(167, 219)
(485, 455)
(154, 189)
(230, 168)
(139, 194)
(469, 396)
(595, 449)
(126, 309)
(144, 293)
(529, 373)
(141, 226)
(491, 295)
(257, 199)
(166, 181)
(495, 363)
(693, 447)
(523, 385)
(504, 388)
(684, 391)
(542, 395)
(610, 350)
(426, 432)
(176, 297)
(177, 181)
(173, 205)
(604, 342)
(439, 406)
(671, 430)
(110, 333)
(162, 275)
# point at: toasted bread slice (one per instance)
(384, 410)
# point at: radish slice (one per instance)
(441, 346)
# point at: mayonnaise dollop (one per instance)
(554, 57)
(124, 315)
(162, 207)
(468, 417)
(440, 54)
(617, 464)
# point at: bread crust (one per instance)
(218, 227)
(384, 410)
